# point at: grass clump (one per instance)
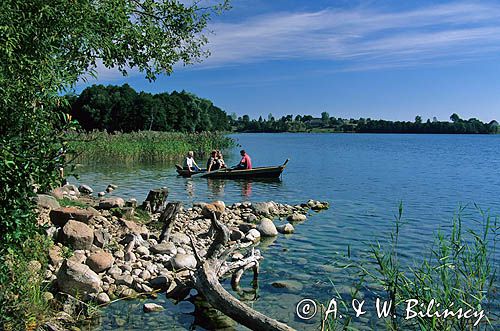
(145, 146)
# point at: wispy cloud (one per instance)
(363, 38)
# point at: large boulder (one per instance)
(217, 207)
(181, 261)
(100, 261)
(60, 216)
(77, 235)
(267, 228)
(111, 203)
(47, 201)
(76, 278)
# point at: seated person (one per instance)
(220, 160)
(190, 163)
(212, 163)
(246, 162)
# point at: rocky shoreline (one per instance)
(107, 248)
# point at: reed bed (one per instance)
(144, 146)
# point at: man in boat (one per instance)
(190, 163)
(212, 163)
(246, 162)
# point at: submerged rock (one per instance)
(152, 307)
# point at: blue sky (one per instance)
(378, 59)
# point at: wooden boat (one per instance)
(227, 173)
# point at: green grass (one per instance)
(144, 146)
(458, 271)
(65, 202)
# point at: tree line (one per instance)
(307, 123)
(121, 108)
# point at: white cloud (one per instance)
(361, 37)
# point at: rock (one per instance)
(160, 282)
(151, 307)
(103, 298)
(109, 189)
(262, 208)
(100, 261)
(289, 285)
(181, 261)
(164, 248)
(34, 266)
(236, 235)
(77, 235)
(47, 201)
(109, 203)
(267, 228)
(245, 227)
(132, 202)
(113, 186)
(135, 228)
(61, 216)
(199, 204)
(126, 280)
(296, 217)
(253, 235)
(180, 238)
(217, 207)
(142, 250)
(237, 256)
(48, 296)
(85, 189)
(320, 206)
(145, 275)
(250, 218)
(119, 254)
(58, 193)
(128, 292)
(52, 232)
(77, 278)
(115, 271)
(101, 194)
(71, 189)
(286, 228)
(78, 256)
(55, 255)
(101, 237)
(130, 257)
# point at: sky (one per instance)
(372, 59)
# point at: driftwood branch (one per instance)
(207, 275)
(167, 217)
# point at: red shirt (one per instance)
(246, 161)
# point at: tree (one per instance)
(47, 46)
(455, 118)
(418, 119)
(325, 117)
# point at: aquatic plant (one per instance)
(144, 146)
(456, 275)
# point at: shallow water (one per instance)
(363, 176)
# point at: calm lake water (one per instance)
(363, 176)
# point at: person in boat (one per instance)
(246, 162)
(212, 163)
(190, 163)
(220, 160)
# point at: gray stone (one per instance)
(250, 218)
(85, 189)
(267, 228)
(180, 238)
(61, 216)
(245, 227)
(77, 235)
(152, 307)
(181, 261)
(296, 217)
(47, 201)
(160, 282)
(236, 235)
(101, 194)
(262, 208)
(109, 203)
(103, 298)
(142, 250)
(145, 274)
(78, 278)
(119, 254)
(126, 280)
(253, 235)
(164, 248)
(130, 257)
(101, 237)
(286, 228)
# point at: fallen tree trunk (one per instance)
(207, 275)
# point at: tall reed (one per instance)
(144, 146)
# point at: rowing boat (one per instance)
(227, 173)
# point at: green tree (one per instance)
(46, 47)
(418, 119)
(455, 118)
(325, 117)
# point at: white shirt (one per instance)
(190, 162)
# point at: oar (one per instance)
(200, 174)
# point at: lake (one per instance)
(364, 177)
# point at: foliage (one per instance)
(47, 45)
(145, 145)
(458, 272)
(121, 108)
(307, 123)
